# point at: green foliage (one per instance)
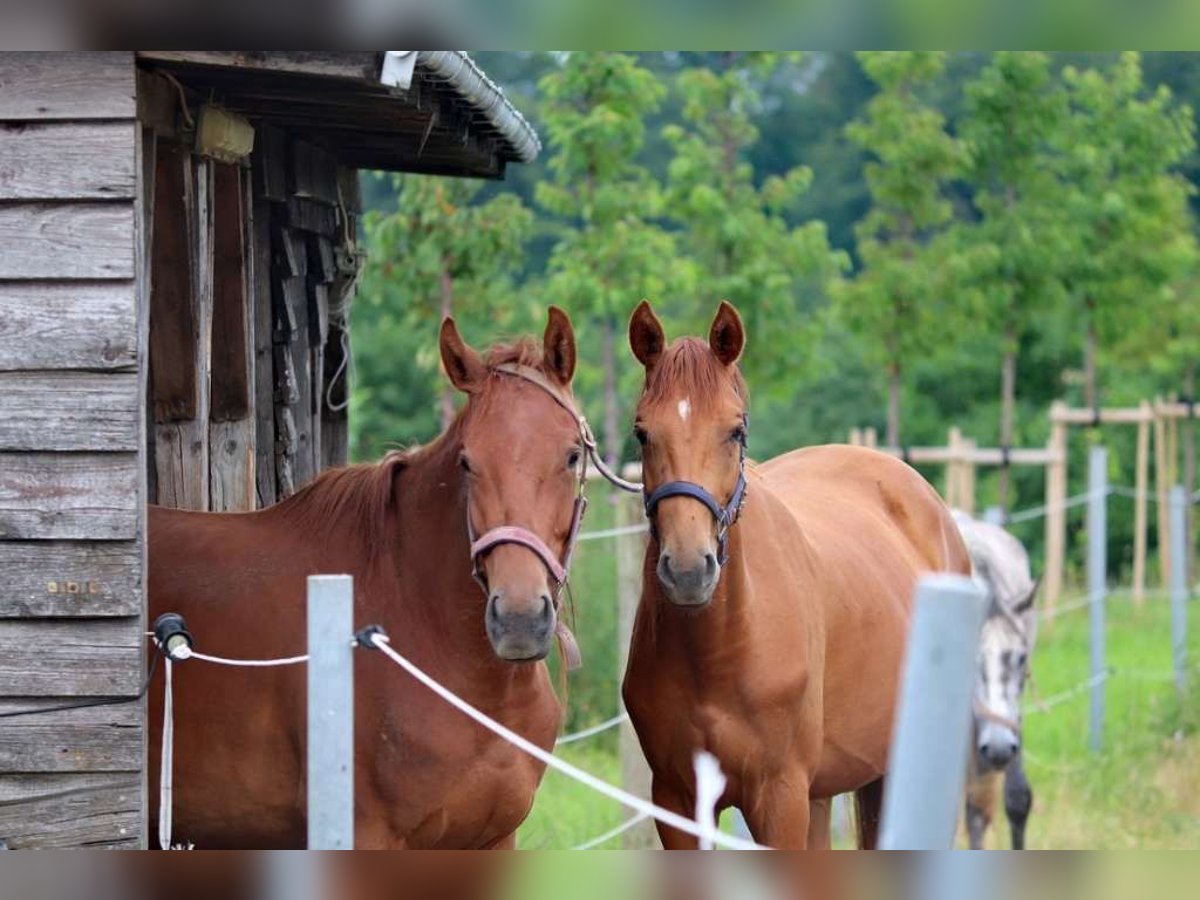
(732, 225)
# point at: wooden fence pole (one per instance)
(968, 477)
(630, 553)
(1162, 485)
(953, 483)
(931, 740)
(1056, 514)
(1141, 485)
(1097, 569)
(330, 712)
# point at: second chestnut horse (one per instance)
(775, 601)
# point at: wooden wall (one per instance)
(71, 450)
(252, 267)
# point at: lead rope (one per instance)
(168, 760)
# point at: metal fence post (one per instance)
(930, 745)
(1097, 573)
(1179, 585)
(330, 712)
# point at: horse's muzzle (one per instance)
(690, 586)
(997, 745)
(520, 636)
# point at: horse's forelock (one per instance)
(688, 366)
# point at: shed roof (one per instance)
(429, 111)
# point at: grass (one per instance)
(1141, 790)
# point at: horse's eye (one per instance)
(464, 463)
(1022, 659)
(573, 458)
(738, 435)
(640, 434)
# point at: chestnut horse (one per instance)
(775, 599)
(509, 468)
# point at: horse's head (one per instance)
(522, 459)
(691, 423)
(1004, 648)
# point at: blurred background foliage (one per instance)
(903, 224)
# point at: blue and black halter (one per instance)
(725, 515)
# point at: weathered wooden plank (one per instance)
(305, 459)
(68, 161)
(312, 215)
(231, 329)
(349, 189)
(287, 392)
(318, 314)
(48, 325)
(68, 411)
(157, 104)
(92, 739)
(70, 579)
(355, 65)
(290, 299)
(71, 810)
(174, 324)
(285, 451)
(182, 447)
(68, 496)
(264, 370)
(314, 172)
(71, 657)
(50, 85)
(66, 240)
(270, 163)
(322, 262)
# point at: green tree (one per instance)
(1127, 200)
(439, 254)
(900, 302)
(1014, 115)
(733, 227)
(610, 249)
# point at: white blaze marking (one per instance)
(685, 409)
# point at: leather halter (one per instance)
(559, 570)
(726, 515)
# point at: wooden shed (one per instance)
(178, 253)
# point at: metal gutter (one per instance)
(456, 69)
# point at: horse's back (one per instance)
(859, 494)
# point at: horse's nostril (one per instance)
(547, 606)
(710, 565)
(664, 569)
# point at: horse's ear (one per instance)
(646, 335)
(727, 336)
(558, 346)
(1026, 603)
(463, 365)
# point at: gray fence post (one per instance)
(330, 712)
(1179, 585)
(930, 745)
(1097, 574)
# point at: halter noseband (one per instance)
(726, 515)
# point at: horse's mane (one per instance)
(689, 365)
(359, 496)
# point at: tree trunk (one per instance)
(893, 412)
(447, 309)
(1008, 399)
(1090, 397)
(612, 428)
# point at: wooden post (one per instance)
(869, 438)
(330, 712)
(631, 551)
(968, 477)
(953, 478)
(856, 437)
(1162, 485)
(1056, 513)
(1179, 585)
(1141, 485)
(930, 743)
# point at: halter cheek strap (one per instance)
(725, 516)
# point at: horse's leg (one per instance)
(981, 804)
(868, 803)
(1018, 800)
(672, 797)
(818, 823)
(778, 813)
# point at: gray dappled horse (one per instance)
(1001, 565)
